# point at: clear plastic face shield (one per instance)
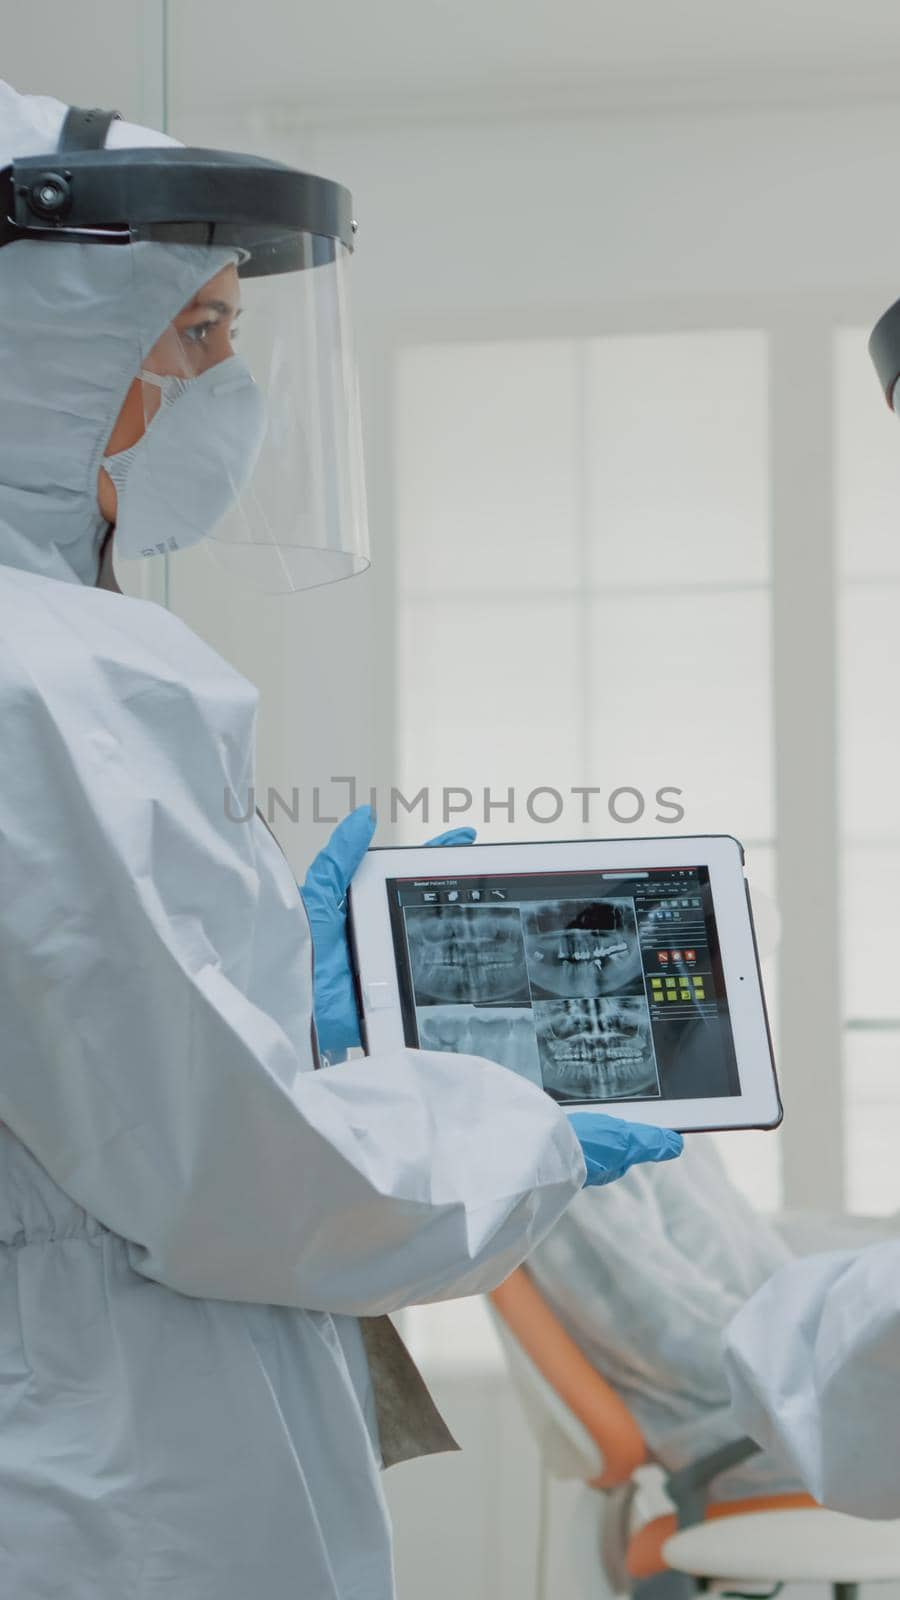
(240, 426)
(248, 408)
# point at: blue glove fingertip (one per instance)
(453, 836)
(657, 1144)
(350, 841)
(359, 824)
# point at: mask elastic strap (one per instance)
(86, 130)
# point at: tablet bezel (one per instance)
(759, 1103)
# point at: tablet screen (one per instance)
(597, 986)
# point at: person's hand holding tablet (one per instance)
(324, 894)
(610, 1146)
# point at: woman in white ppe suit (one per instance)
(814, 1358)
(191, 1218)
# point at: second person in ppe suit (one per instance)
(192, 1219)
(814, 1358)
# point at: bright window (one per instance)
(583, 597)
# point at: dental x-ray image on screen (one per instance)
(598, 987)
(582, 948)
(498, 1033)
(472, 954)
(596, 1049)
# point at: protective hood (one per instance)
(68, 353)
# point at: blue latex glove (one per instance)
(611, 1146)
(324, 893)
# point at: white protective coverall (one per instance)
(190, 1217)
(814, 1366)
(645, 1277)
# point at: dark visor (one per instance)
(884, 348)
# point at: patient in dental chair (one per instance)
(647, 1273)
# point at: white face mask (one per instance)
(195, 458)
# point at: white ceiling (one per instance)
(375, 53)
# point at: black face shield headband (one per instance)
(278, 219)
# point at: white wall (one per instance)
(554, 213)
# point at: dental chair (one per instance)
(585, 1432)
